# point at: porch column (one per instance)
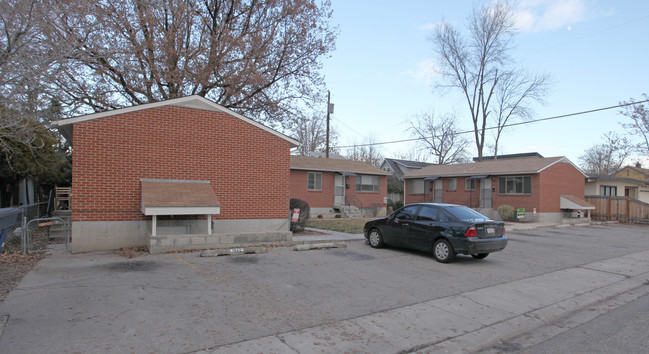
(154, 222)
(209, 224)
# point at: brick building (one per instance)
(549, 189)
(339, 186)
(182, 173)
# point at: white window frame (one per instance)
(513, 179)
(314, 181)
(363, 181)
(469, 184)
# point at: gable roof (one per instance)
(395, 165)
(640, 170)
(194, 102)
(334, 165)
(529, 165)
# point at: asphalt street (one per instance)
(350, 298)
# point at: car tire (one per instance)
(480, 255)
(443, 251)
(375, 238)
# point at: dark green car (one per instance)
(443, 229)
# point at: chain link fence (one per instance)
(16, 240)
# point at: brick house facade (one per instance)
(539, 185)
(332, 186)
(184, 139)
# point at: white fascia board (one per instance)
(382, 173)
(181, 210)
(194, 101)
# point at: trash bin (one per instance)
(8, 217)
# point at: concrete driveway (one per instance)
(354, 298)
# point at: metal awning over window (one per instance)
(479, 177)
(347, 174)
(431, 178)
(574, 203)
(178, 197)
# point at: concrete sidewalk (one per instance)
(472, 321)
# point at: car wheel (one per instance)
(443, 251)
(480, 255)
(375, 238)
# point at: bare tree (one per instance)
(413, 153)
(255, 57)
(606, 158)
(367, 152)
(639, 126)
(25, 60)
(481, 68)
(312, 133)
(515, 94)
(440, 137)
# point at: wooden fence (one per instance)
(622, 209)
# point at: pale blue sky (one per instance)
(382, 71)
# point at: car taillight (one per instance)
(503, 230)
(471, 232)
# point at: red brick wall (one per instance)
(459, 196)
(248, 167)
(325, 197)
(317, 199)
(547, 187)
(527, 201)
(560, 179)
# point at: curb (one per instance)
(318, 246)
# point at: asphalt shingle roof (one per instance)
(528, 165)
(334, 165)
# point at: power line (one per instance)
(506, 125)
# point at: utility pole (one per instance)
(330, 110)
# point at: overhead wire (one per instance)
(507, 125)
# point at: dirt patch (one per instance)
(132, 252)
(13, 267)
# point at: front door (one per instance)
(437, 191)
(485, 193)
(339, 190)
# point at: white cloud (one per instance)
(425, 71)
(543, 15)
(428, 26)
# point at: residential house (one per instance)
(185, 173)
(336, 186)
(397, 169)
(630, 181)
(548, 189)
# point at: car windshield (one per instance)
(464, 213)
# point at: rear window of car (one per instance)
(464, 213)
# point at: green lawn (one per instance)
(352, 226)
